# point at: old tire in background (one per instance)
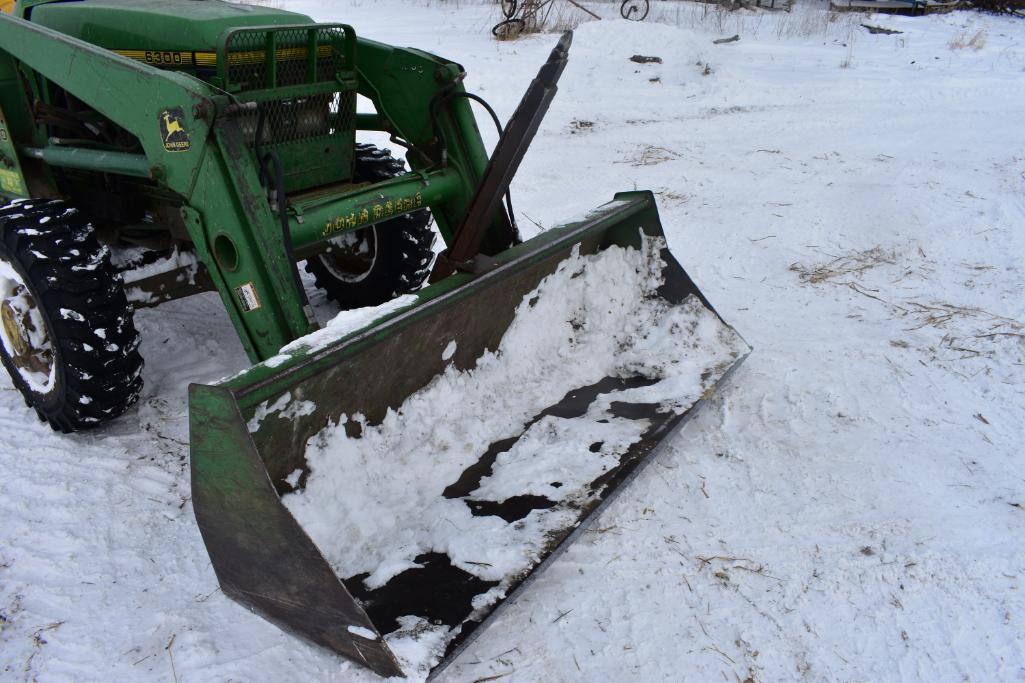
(510, 29)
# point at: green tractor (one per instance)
(153, 149)
(123, 148)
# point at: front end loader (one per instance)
(153, 150)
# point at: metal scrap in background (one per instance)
(533, 16)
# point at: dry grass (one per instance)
(962, 42)
(966, 331)
(673, 197)
(538, 16)
(650, 155)
(855, 263)
(727, 18)
(565, 17)
(848, 59)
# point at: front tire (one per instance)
(375, 264)
(67, 339)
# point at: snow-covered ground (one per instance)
(850, 507)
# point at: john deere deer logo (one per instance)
(172, 130)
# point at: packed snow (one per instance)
(339, 325)
(851, 506)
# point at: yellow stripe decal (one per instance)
(173, 58)
(169, 58)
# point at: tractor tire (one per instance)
(68, 337)
(375, 264)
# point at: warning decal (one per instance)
(247, 297)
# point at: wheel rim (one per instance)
(634, 10)
(351, 257)
(24, 332)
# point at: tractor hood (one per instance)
(156, 25)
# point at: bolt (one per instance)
(200, 111)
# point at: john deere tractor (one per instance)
(152, 149)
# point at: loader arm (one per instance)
(419, 99)
(129, 93)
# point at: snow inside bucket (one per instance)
(472, 478)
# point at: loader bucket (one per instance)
(385, 492)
